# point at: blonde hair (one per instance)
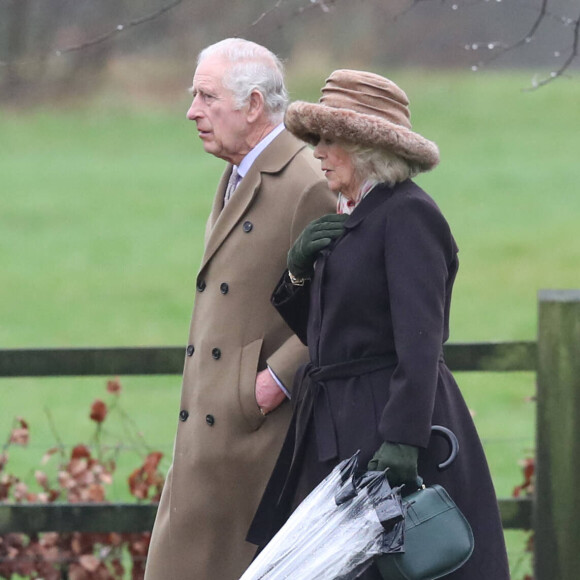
(380, 164)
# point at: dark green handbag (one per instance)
(438, 538)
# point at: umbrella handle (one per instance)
(453, 445)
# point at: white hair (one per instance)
(252, 67)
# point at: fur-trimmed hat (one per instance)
(365, 109)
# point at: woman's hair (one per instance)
(380, 164)
(252, 67)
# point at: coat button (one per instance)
(201, 285)
(183, 415)
(216, 353)
(210, 420)
(224, 288)
(248, 226)
(190, 350)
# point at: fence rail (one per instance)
(125, 517)
(45, 362)
(552, 513)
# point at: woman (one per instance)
(369, 292)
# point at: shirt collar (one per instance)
(249, 159)
(345, 205)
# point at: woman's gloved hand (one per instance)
(401, 461)
(315, 237)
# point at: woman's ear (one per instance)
(255, 106)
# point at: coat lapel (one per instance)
(218, 200)
(224, 219)
(379, 195)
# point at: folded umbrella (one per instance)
(336, 531)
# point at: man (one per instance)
(241, 357)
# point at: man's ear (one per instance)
(255, 106)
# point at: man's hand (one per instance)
(315, 237)
(268, 393)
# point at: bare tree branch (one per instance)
(543, 14)
(323, 5)
(120, 28)
(502, 49)
(264, 14)
(499, 48)
(573, 54)
(117, 30)
(526, 38)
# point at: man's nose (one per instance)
(193, 112)
(318, 153)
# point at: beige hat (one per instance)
(366, 109)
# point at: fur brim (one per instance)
(308, 121)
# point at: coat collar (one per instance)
(222, 220)
(379, 195)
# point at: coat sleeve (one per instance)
(418, 251)
(293, 305)
(292, 301)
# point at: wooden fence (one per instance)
(553, 513)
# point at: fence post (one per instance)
(557, 493)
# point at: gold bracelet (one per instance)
(295, 281)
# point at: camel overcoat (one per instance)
(378, 306)
(224, 448)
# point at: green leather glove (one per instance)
(401, 461)
(315, 237)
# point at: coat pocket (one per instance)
(247, 384)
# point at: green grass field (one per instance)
(102, 210)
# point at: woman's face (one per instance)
(337, 165)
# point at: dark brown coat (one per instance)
(383, 291)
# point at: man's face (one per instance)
(221, 127)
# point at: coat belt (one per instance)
(311, 401)
(317, 390)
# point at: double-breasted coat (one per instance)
(375, 318)
(224, 448)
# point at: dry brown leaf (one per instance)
(114, 386)
(19, 436)
(98, 411)
(46, 457)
